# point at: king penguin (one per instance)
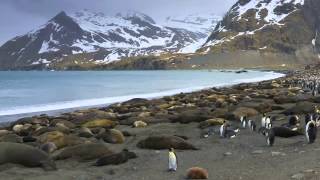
(270, 137)
(173, 161)
(311, 131)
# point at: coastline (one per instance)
(54, 109)
(244, 157)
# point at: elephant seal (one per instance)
(165, 142)
(197, 173)
(211, 122)
(285, 132)
(25, 155)
(84, 152)
(115, 159)
(112, 136)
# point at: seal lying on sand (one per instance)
(165, 142)
(87, 151)
(285, 132)
(25, 155)
(115, 159)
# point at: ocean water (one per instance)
(23, 93)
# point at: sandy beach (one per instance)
(247, 156)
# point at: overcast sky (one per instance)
(20, 16)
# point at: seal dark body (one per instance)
(115, 159)
(285, 132)
(165, 142)
(25, 155)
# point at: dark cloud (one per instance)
(19, 16)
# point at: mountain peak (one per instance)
(59, 16)
(136, 14)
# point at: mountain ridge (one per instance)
(93, 38)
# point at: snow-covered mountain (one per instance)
(199, 22)
(203, 23)
(266, 32)
(274, 25)
(86, 38)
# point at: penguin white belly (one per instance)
(221, 130)
(263, 122)
(172, 161)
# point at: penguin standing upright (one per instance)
(263, 120)
(311, 131)
(252, 125)
(270, 137)
(223, 130)
(173, 161)
(308, 118)
(268, 122)
(243, 121)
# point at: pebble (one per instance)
(298, 176)
(277, 154)
(227, 154)
(309, 171)
(258, 152)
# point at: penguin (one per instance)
(268, 122)
(263, 120)
(252, 125)
(311, 131)
(223, 130)
(173, 160)
(307, 118)
(270, 137)
(293, 120)
(243, 121)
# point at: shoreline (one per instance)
(9, 118)
(182, 115)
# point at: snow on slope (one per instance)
(272, 16)
(203, 23)
(107, 38)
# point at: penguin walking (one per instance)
(311, 131)
(173, 161)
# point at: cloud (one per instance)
(29, 14)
